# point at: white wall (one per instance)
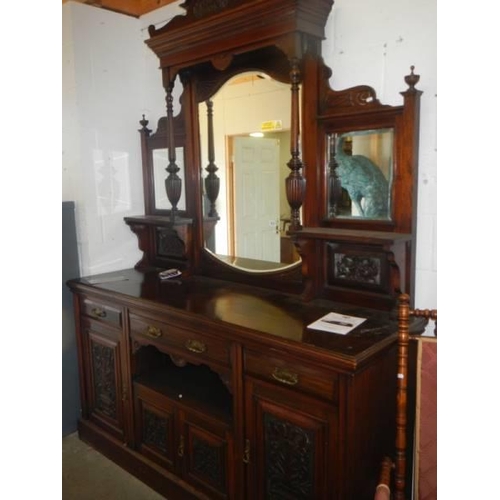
(112, 78)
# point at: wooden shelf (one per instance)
(196, 387)
(350, 235)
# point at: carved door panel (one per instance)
(104, 384)
(207, 452)
(287, 445)
(155, 429)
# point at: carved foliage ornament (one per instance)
(207, 461)
(289, 459)
(103, 363)
(204, 8)
(358, 268)
(155, 431)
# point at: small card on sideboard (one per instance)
(336, 323)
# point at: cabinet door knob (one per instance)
(195, 346)
(98, 312)
(285, 376)
(153, 331)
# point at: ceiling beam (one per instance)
(135, 8)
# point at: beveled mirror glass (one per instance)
(251, 129)
(363, 160)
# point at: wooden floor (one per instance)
(88, 475)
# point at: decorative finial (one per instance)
(144, 122)
(412, 79)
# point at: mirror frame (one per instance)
(358, 109)
(151, 142)
(224, 38)
(205, 47)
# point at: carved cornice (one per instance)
(210, 25)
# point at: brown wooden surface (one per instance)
(261, 359)
(247, 311)
(133, 8)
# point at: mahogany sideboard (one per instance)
(205, 388)
(212, 386)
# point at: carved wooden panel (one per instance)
(355, 265)
(104, 378)
(289, 439)
(207, 460)
(155, 424)
(155, 431)
(289, 459)
(168, 243)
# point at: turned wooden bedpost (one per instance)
(295, 182)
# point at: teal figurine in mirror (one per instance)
(361, 165)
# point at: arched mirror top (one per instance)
(209, 79)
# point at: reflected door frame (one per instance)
(231, 189)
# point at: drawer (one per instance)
(102, 311)
(185, 342)
(293, 373)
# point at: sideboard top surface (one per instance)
(245, 309)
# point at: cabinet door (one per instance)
(287, 444)
(207, 453)
(104, 387)
(155, 434)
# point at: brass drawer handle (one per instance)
(98, 312)
(195, 346)
(285, 376)
(153, 331)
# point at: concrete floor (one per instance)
(88, 475)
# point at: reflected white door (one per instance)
(256, 177)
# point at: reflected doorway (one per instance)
(254, 212)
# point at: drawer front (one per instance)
(111, 315)
(185, 342)
(293, 373)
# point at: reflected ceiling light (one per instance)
(256, 134)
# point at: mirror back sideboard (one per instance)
(213, 385)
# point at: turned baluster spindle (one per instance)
(334, 182)
(173, 183)
(402, 383)
(295, 183)
(212, 182)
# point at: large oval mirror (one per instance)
(251, 146)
